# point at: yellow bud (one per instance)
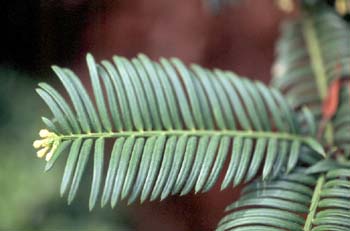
(42, 143)
(44, 133)
(341, 7)
(52, 151)
(41, 153)
(37, 144)
(286, 5)
(49, 155)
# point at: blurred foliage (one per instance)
(29, 198)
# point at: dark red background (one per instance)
(240, 38)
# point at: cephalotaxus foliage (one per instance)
(174, 127)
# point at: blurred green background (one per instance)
(29, 199)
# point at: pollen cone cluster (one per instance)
(47, 145)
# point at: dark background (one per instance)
(37, 34)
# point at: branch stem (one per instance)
(318, 67)
(314, 203)
(230, 133)
(316, 57)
